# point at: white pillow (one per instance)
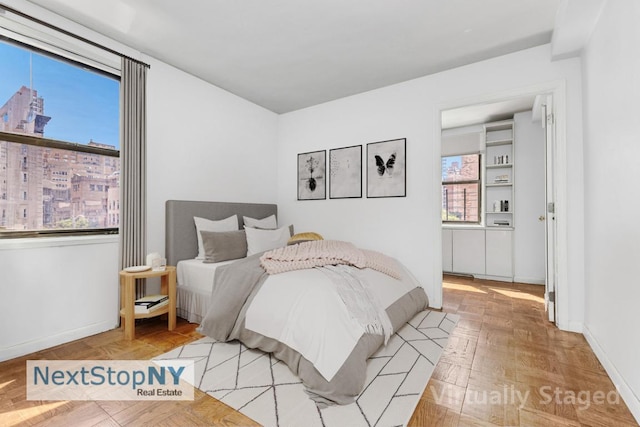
(263, 240)
(203, 224)
(264, 223)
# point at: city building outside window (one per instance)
(59, 141)
(461, 189)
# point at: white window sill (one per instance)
(54, 242)
(471, 226)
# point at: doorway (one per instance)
(542, 107)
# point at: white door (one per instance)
(550, 242)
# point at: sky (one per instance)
(83, 105)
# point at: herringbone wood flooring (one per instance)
(501, 350)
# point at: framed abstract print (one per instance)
(386, 168)
(345, 172)
(312, 175)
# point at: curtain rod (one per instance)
(70, 34)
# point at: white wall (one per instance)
(409, 228)
(529, 169)
(55, 290)
(612, 206)
(202, 143)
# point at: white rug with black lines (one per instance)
(264, 389)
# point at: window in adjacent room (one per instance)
(59, 140)
(461, 189)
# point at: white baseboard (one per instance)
(495, 278)
(529, 280)
(51, 341)
(632, 401)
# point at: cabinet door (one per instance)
(468, 251)
(447, 250)
(499, 253)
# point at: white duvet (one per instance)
(303, 310)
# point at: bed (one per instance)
(333, 332)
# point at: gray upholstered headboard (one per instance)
(180, 234)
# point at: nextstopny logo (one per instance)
(110, 379)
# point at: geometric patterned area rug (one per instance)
(264, 389)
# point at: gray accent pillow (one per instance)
(224, 245)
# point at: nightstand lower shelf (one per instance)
(127, 298)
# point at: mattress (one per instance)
(195, 279)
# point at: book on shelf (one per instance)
(143, 309)
(150, 302)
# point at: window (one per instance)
(461, 188)
(60, 125)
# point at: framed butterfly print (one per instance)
(311, 175)
(345, 172)
(386, 168)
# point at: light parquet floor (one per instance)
(506, 365)
(501, 351)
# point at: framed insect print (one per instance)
(345, 172)
(387, 168)
(312, 176)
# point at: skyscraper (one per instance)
(21, 174)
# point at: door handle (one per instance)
(541, 218)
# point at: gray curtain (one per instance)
(133, 166)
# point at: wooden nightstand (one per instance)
(127, 298)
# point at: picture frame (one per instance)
(386, 168)
(312, 175)
(345, 172)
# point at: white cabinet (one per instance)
(499, 174)
(483, 253)
(499, 253)
(447, 250)
(468, 251)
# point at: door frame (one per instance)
(548, 124)
(558, 91)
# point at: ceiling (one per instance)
(289, 54)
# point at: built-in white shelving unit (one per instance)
(499, 174)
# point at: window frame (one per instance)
(478, 182)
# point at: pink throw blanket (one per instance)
(318, 253)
